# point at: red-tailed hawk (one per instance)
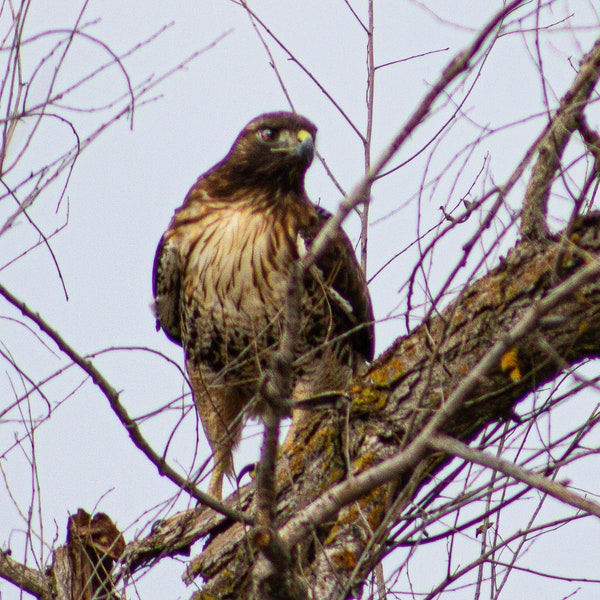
(221, 275)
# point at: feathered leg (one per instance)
(220, 408)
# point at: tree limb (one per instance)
(25, 578)
(449, 445)
(554, 141)
(112, 395)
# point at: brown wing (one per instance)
(166, 286)
(349, 291)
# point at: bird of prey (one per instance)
(221, 275)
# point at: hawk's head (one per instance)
(273, 151)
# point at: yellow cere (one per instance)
(303, 135)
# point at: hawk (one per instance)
(221, 274)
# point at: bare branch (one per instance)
(130, 425)
(360, 193)
(25, 578)
(449, 445)
(293, 58)
(348, 491)
(553, 143)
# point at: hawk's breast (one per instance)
(237, 265)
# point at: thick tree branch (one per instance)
(330, 499)
(352, 489)
(545, 288)
(25, 578)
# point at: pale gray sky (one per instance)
(125, 187)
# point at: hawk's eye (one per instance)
(268, 135)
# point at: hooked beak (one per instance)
(306, 146)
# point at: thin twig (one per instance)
(306, 71)
(359, 194)
(112, 395)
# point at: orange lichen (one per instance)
(347, 515)
(371, 507)
(335, 475)
(364, 461)
(315, 441)
(376, 514)
(524, 282)
(509, 363)
(325, 437)
(369, 399)
(332, 533)
(262, 537)
(388, 373)
(344, 559)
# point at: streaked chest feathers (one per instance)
(238, 265)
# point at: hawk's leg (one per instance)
(319, 380)
(220, 407)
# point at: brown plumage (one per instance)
(221, 274)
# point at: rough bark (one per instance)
(82, 567)
(386, 411)
(25, 578)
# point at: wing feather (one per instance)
(166, 286)
(339, 270)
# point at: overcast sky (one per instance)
(125, 186)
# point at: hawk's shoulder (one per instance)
(167, 271)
